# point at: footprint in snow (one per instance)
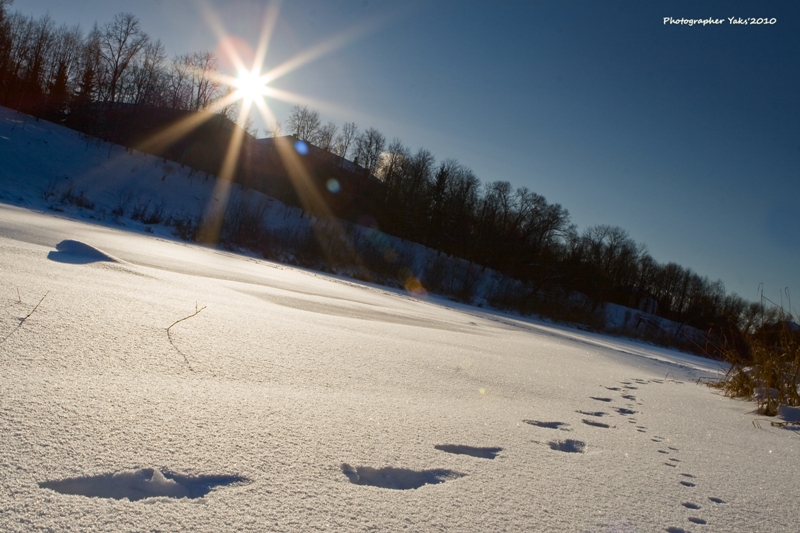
(684, 483)
(568, 446)
(613, 388)
(396, 478)
(673, 529)
(695, 520)
(687, 475)
(690, 505)
(671, 448)
(663, 451)
(600, 399)
(625, 411)
(563, 426)
(630, 397)
(592, 413)
(460, 449)
(674, 466)
(595, 424)
(716, 500)
(140, 484)
(674, 460)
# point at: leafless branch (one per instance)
(169, 335)
(26, 317)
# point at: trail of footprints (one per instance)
(626, 392)
(404, 479)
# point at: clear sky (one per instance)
(686, 136)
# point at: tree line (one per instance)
(518, 232)
(50, 70)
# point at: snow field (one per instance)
(293, 374)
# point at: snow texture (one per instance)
(293, 376)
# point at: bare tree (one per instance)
(147, 75)
(274, 130)
(202, 66)
(345, 139)
(179, 84)
(304, 123)
(121, 40)
(392, 161)
(325, 136)
(369, 147)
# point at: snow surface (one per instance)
(297, 401)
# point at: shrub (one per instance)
(765, 366)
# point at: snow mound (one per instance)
(78, 253)
(140, 484)
(396, 478)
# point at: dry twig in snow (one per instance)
(26, 317)
(169, 335)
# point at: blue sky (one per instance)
(687, 137)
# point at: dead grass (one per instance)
(765, 366)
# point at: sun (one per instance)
(250, 85)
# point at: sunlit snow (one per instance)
(296, 401)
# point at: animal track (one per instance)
(687, 475)
(716, 500)
(685, 483)
(569, 446)
(630, 397)
(672, 529)
(625, 411)
(675, 460)
(673, 466)
(600, 399)
(140, 484)
(695, 520)
(596, 424)
(396, 478)
(673, 449)
(690, 505)
(592, 413)
(613, 388)
(549, 425)
(483, 453)
(662, 451)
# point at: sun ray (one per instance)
(326, 47)
(250, 88)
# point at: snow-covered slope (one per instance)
(151, 385)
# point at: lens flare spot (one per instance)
(414, 286)
(301, 147)
(333, 186)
